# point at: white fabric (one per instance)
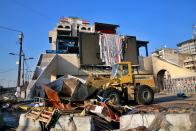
(110, 48)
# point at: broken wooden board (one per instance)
(43, 115)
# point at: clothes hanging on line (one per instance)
(110, 48)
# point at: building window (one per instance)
(60, 26)
(67, 27)
(83, 28)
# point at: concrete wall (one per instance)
(171, 55)
(89, 48)
(64, 123)
(131, 53)
(174, 86)
(78, 123)
(90, 51)
(174, 71)
(46, 75)
(68, 64)
(26, 124)
(174, 56)
(52, 39)
(166, 74)
(159, 122)
(52, 66)
(148, 64)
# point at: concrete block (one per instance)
(135, 120)
(84, 123)
(180, 122)
(177, 122)
(26, 124)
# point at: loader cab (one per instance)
(123, 72)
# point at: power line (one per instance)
(10, 29)
(31, 9)
(9, 70)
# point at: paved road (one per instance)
(163, 99)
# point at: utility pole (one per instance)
(23, 80)
(17, 94)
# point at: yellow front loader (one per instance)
(125, 84)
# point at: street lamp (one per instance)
(24, 59)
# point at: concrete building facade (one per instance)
(171, 55)
(77, 36)
(67, 32)
(188, 47)
(190, 62)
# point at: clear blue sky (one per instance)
(161, 22)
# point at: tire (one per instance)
(144, 95)
(113, 96)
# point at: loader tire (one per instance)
(113, 95)
(144, 95)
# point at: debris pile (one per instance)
(68, 102)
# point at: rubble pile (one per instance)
(68, 102)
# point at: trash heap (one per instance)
(72, 98)
(70, 104)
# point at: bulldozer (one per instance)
(124, 84)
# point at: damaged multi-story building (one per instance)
(189, 47)
(79, 48)
(77, 36)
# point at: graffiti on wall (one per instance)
(186, 85)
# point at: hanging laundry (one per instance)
(110, 48)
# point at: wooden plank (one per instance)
(34, 112)
(50, 117)
(32, 115)
(43, 120)
(29, 111)
(39, 114)
(50, 112)
(45, 116)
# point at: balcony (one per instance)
(188, 60)
(64, 27)
(84, 28)
(189, 65)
